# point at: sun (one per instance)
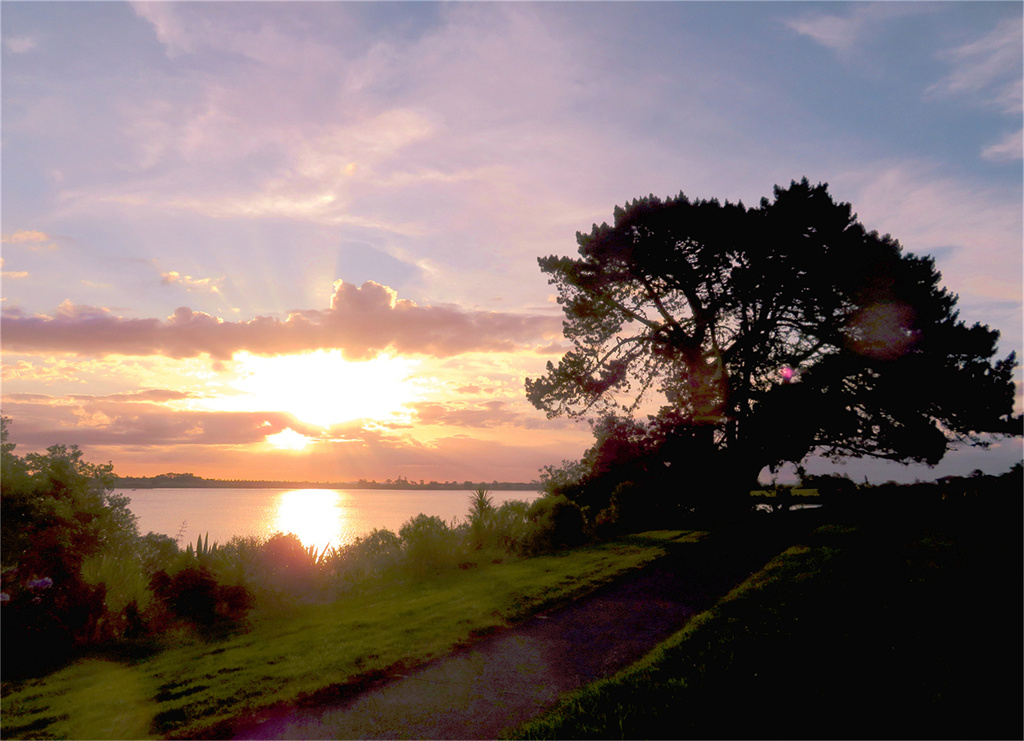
(289, 439)
(321, 388)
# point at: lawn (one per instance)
(903, 626)
(308, 653)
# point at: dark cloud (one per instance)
(361, 322)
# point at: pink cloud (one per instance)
(143, 437)
(361, 321)
(41, 421)
(488, 414)
(143, 395)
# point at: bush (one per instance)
(193, 595)
(512, 526)
(284, 557)
(58, 512)
(555, 522)
(156, 552)
(376, 552)
(429, 543)
(46, 619)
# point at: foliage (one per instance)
(511, 527)
(58, 512)
(374, 553)
(156, 551)
(307, 653)
(481, 519)
(765, 334)
(555, 522)
(193, 595)
(429, 543)
(77, 574)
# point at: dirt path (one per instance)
(514, 675)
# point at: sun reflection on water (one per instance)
(316, 516)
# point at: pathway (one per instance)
(514, 675)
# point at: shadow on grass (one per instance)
(901, 626)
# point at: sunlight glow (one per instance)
(316, 516)
(289, 439)
(321, 387)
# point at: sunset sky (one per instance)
(299, 240)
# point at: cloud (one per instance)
(1007, 149)
(847, 33)
(972, 230)
(20, 45)
(143, 395)
(928, 212)
(34, 240)
(13, 274)
(147, 439)
(362, 322)
(986, 71)
(488, 414)
(207, 285)
(493, 414)
(44, 420)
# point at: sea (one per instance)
(319, 517)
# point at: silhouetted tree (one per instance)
(767, 333)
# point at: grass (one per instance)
(307, 653)
(902, 628)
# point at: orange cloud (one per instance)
(173, 277)
(361, 321)
(34, 240)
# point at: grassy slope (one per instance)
(306, 654)
(908, 628)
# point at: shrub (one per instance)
(285, 566)
(193, 595)
(156, 552)
(378, 551)
(45, 619)
(283, 554)
(429, 543)
(555, 522)
(58, 511)
(236, 563)
(482, 520)
(126, 592)
(512, 525)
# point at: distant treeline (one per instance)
(191, 481)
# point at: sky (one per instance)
(299, 241)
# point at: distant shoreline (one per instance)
(188, 481)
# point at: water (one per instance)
(319, 517)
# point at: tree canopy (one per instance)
(768, 333)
